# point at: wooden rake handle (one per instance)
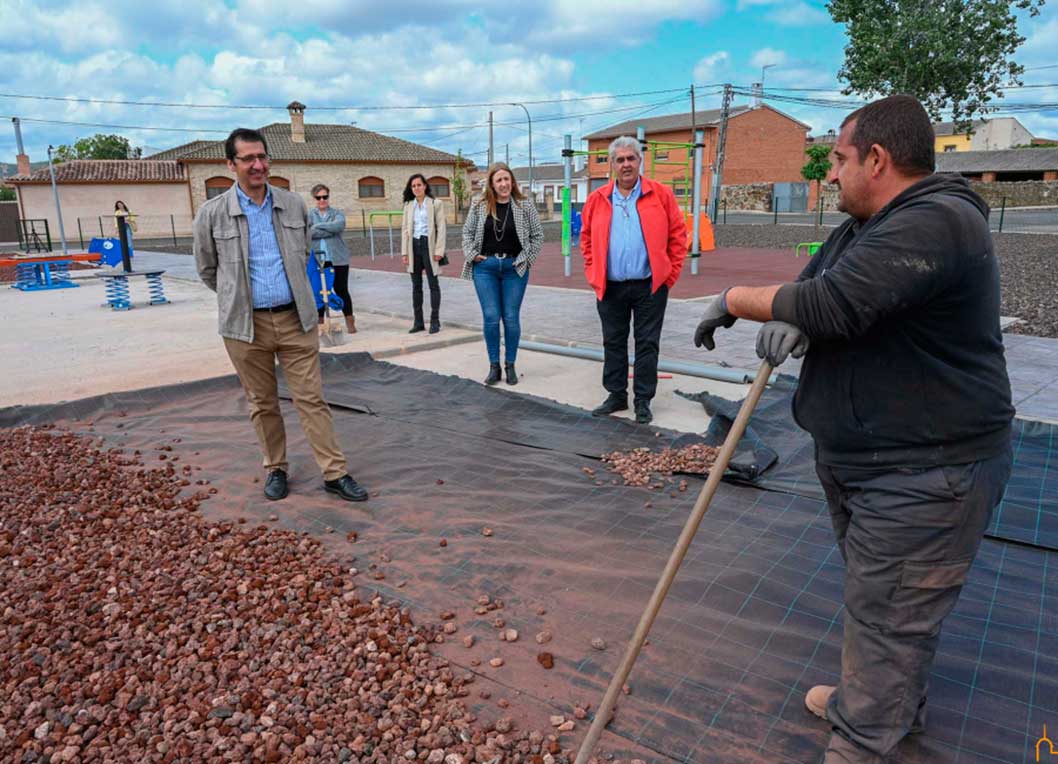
(705, 497)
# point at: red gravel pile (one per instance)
(132, 630)
(641, 465)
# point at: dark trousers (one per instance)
(421, 262)
(341, 288)
(624, 302)
(908, 538)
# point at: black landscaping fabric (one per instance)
(751, 622)
(777, 455)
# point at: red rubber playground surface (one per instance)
(716, 270)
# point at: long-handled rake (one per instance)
(705, 497)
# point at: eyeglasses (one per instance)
(324, 196)
(251, 158)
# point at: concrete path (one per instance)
(549, 314)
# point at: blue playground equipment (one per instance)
(109, 250)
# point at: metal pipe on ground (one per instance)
(734, 376)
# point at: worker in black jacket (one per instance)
(904, 389)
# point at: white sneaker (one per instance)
(817, 698)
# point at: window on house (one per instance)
(278, 182)
(661, 156)
(217, 186)
(950, 147)
(440, 186)
(371, 188)
(602, 158)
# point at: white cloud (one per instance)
(768, 57)
(713, 67)
(798, 14)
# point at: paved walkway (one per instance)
(568, 316)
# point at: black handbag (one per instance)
(443, 260)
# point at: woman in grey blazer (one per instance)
(422, 246)
(327, 226)
(501, 240)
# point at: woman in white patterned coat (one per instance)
(501, 240)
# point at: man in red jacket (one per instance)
(633, 242)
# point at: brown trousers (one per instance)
(279, 335)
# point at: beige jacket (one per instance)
(437, 230)
(222, 257)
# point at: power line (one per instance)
(363, 107)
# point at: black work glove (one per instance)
(716, 315)
(777, 339)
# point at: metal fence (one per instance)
(153, 227)
(1002, 219)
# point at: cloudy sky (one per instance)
(353, 61)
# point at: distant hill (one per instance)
(12, 166)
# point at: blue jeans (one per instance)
(500, 290)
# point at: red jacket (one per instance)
(664, 232)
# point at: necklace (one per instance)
(499, 231)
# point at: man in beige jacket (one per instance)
(251, 247)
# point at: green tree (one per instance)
(816, 169)
(99, 146)
(459, 183)
(953, 55)
(7, 194)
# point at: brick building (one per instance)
(1003, 166)
(365, 171)
(154, 190)
(763, 146)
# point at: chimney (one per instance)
(297, 121)
(757, 88)
(22, 159)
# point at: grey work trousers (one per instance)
(908, 538)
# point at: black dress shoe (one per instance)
(643, 415)
(613, 403)
(275, 487)
(512, 375)
(435, 327)
(494, 374)
(346, 488)
(417, 328)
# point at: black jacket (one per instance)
(906, 365)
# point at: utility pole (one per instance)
(507, 153)
(492, 156)
(718, 166)
(58, 206)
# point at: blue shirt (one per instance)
(268, 277)
(627, 259)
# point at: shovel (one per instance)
(332, 333)
(705, 497)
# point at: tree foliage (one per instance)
(818, 164)
(459, 181)
(98, 146)
(955, 56)
(7, 194)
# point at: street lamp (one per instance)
(764, 69)
(530, 120)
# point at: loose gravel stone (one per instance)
(133, 630)
(598, 643)
(543, 637)
(641, 465)
(547, 660)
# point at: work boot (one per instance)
(417, 327)
(494, 374)
(275, 487)
(346, 488)
(512, 376)
(818, 697)
(613, 403)
(643, 415)
(435, 326)
(350, 324)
